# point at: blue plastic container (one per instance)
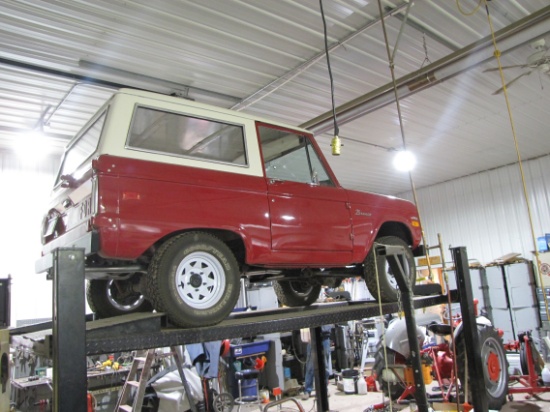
(249, 388)
(542, 243)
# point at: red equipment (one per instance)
(532, 381)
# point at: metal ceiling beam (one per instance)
(508, 38)
(425, 30)
(98, 70)
(291, 74)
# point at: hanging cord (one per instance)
(520, 164)
(471, 13)
(336, 141)
(398, 105)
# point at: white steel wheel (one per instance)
(200, 280)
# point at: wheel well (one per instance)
(231, 239)
(395, 229)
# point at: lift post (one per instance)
(318, 358)
(394, 256)
(69, 331)
(473, 355)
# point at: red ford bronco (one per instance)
(174, 201)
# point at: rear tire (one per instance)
(524, 360)
(108, 298)
(294, 293)
(495, 366)
(388, 284)
(194, 278)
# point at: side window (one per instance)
(180, 135)
(83, 147)
(291, 156)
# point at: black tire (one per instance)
(294, 293)
(388, 284)
(108, 298)
(223, 402)
(194, 278)
(393, 388)
(495, 366)
(524, 361)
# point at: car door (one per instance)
(309, 212)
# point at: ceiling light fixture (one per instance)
(32, 146)
(404, 161)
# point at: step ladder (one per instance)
(140, 385)
(134, 384)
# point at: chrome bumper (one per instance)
(89, 241)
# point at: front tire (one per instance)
(388, 283)
(194, 278)
(108, 298)
(495, 366)
(294, 293)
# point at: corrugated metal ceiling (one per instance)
(267, 57)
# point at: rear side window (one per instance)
(176, 134)
(83, 147)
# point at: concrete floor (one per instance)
(341, 402)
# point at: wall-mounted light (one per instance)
(404, 161)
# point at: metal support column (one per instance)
(318, 358)
(69, 331)
(394, 256)
(476, 383)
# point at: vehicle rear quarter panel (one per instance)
(141, 202)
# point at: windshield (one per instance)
(82, 148)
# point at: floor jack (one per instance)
(532, 382)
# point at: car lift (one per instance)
(476, 382)
(72, 338)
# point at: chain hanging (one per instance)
(426, 58)
(399, 304)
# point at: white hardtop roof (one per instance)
(186, 102)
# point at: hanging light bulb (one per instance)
(404, 161)
(336, 145)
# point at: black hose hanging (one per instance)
(336, 141)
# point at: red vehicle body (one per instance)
(151, 176)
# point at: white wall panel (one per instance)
(24, 189)
(487, 212)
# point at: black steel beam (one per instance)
(318, 358)
(475, 377)
(253, 324)
(395, 255)
(69, 331)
